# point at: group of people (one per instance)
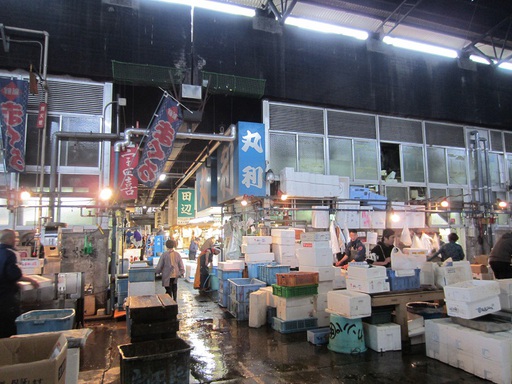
(355, 250)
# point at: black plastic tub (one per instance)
(426, 309)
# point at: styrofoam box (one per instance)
(364, 272)
(259, 257)
(435, 340)
(256, 239)
(321, 302)
(315, 236)
(368, 286)
(383, 337)
(283, 240)
(257, 309)
(349, 304)
(295, 301)
(505, 286)
(316, 244)
(317, 257)
(288, 260)
(324, 273)
(460, 271)
(505, 301)
(324, 287)
(231, 265)
(271, 298)
(323, 318)
(471, 290)
(295, 313)
(473, 309)
(281, 250)
(255, 248)
(277, 232)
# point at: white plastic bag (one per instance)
(416, 242)
(405, 237)
(401, 261)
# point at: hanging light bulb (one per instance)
(395, 218)
(445, 203)
(502, 204)
(244, 201)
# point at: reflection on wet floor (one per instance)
(228, 351)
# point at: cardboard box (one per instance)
(38, 358)
(479, 268)
(481, 259)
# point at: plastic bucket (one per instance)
(426, 309)
(346, 335)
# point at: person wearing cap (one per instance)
(171, 267)
(203, 264)
(450, 249)
(10, 275)
(383, 249)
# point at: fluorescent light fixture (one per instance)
(326, 28)
(420, 47)
(479, 59)
(214, 6)
(507, 66)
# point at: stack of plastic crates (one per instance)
(295, 285)
(224, 289)
(268, 272)
(240, 291)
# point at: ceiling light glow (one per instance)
(326, 28)
(420, 47)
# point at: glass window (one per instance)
(311, 154)
(397, 193)
(340, 157)
(73, 214)
(509, 161)
(414, 170)
(80, 184)
(365, 160)
(390, 162)
(495, 169)
(436, 165)
(283, 152)
(80, 153)
(457, 166)
(34, 139)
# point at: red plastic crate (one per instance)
(296, 279)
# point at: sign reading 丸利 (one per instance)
(186, 203)
(241, 164)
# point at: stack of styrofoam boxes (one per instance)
(283, 246)
(349, 304)
(231, 269)
(256, 249)
(313, 185)
(486, 355)
(505, 293)
(256, 243)
(340, 278)
(315, 255)
(471, 299)
(362, 278)
(450, 274)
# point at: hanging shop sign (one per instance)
(127, 182)
(13, 107)
(206, 185)
(41, 115)
(186, 203)
(241, 164)
(162, 132)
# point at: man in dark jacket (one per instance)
(10, 274)
(500, 257)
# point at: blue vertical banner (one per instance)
(251, 159)
(13, 108)
(241, 165)
(186, 203)
(206, 185)
(161, 136)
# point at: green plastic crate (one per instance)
(304, 290)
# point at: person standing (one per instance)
(10, 275)
(450, 249)
(203, 266)
(192, 249)
(500, 257)
(384, 248)
(171, 267)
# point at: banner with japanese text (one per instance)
(186, 203)
(159, 142)
(127, 184)
(13, 107)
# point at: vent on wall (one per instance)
(296, 119)
(71, 97)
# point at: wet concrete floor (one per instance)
(229, 351)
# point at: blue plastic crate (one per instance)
(291, 326)
(136, 275)
(403, 283)
(224, 299)
(47, 320)
(225, 275)
(319, 336)
(122, 284)
(268, 272)
(253, 270)
(239, 310)
(240, 289)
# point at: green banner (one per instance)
(186, 203)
